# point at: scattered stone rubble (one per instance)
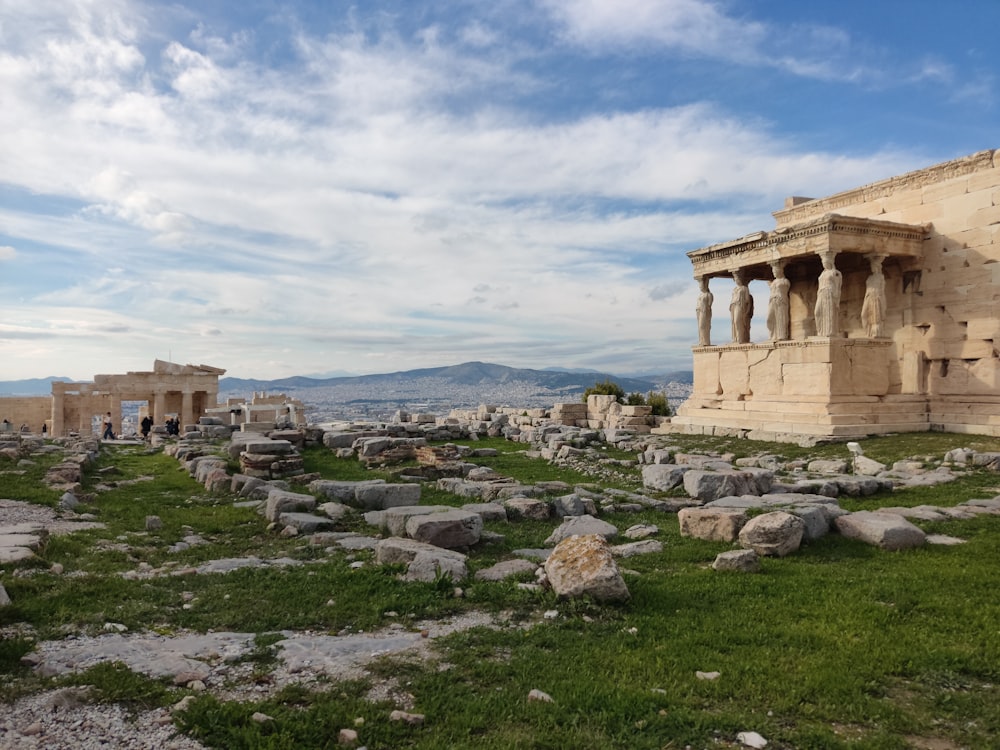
(764, 504)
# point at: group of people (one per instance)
(172, 425)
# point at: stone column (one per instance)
(827, 310)
(741, 309)
(704, 312)
(873, 308)
(58, 415)
(778, 320)
(159, 406)
(187, 408)
(116, 413)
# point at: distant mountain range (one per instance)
(466, 374)
(30, 386)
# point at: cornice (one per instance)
(966, 165)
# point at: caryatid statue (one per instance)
(704, 312)
(778, 319)
(873, 308)
(827, 310)
(741, 309)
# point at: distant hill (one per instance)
(466, 374)
(30, 386)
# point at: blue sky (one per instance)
(283, 188)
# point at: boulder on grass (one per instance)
(712, 524)
(584, 566)
(451, 529)
(424, 562)
(738, 560)
(774, 534)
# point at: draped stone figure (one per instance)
(704, 311)
(741, 309)
(873, 308)
(827, 310)
(778, 318)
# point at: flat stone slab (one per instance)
(358, 542)
(15, 554)
(943, 539)
(582, 526)
(222, 565)
(394, 520)
(338, 656)
(506, 569)
(631, 549)
(487, 511)
(885, 530)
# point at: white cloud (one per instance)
(7, 252)
(343, 198)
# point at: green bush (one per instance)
(605, 388)
(661, 407)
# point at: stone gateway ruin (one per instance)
(185, 391)
(882, 314)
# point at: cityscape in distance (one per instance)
(435, 390)
(439, 390)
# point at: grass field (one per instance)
(840, 645)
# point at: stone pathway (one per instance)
(25, 526)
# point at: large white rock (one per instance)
(282, 501)
(663, 477)
(712, 524)
(584, 566)
(451, 529)
(528, 507)
(711, 485)
(774, 534)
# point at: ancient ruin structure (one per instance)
(882, 313)
(262, 413)
(185, 392)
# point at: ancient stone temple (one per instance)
(882, 313)
(182, 391)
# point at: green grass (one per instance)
(838, 646)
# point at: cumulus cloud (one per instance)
(7, 252)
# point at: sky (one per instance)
(323, 188)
